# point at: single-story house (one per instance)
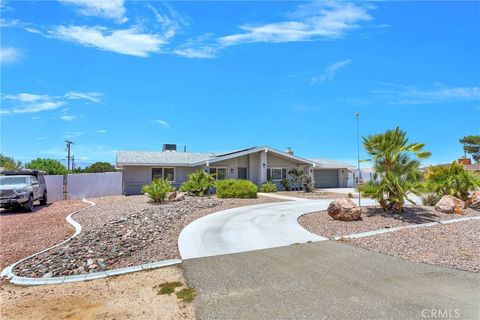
(257, 164)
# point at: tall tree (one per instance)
(50, 166)
(100, 167)
(9, 163)
(471, 145)
(390, 152)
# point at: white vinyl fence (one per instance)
(54, 187)
(83, 185)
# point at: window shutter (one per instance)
(269, 174)
(284, 173)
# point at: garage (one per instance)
(326, 178)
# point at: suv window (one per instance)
(41, 178)
(34, 179)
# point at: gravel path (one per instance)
(125, 231)
(374, 218)
(132, 296)
(455, 245)
(24, 233)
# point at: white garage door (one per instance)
(326, 178)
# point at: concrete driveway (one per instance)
(328, 280)
(249, 228)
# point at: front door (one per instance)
(242, 173)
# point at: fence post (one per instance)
(65, 187)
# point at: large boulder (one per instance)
(344, 209)
(450, 204)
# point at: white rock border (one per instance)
(25, 281)
(388, 230)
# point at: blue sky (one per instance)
(217, 76)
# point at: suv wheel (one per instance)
(43, 201)
(28, 206)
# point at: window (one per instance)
(276, 174)
(219, 173)
(163, 173)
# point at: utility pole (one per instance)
(68, 143)
(358, 158)
(73, 163)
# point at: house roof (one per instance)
(468, 167)
(192, 159)
(161, 158)
(331, 164)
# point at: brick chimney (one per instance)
(464, 160)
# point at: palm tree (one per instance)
(390, 152)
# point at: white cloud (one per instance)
(26, 97)
(67, 117)
(34, 107)
(41, 138)
(204, 52)
(399, 94)
(110, 9)
(163, 123)
(128, 41)
(33, 103)
(9, 55)
(101, 131)
(90, 96)
(330, 72)
(171, 23)
(317, 20)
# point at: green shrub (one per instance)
(451, 180)
(350, 195)
(158, 189)
(285, 184)
(430, 199)
(268, 187)
(236, 189)
(198, 184)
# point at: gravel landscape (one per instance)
(375, 218)
(125, 231)
(454, 245)
(312, 195)
(25, 233)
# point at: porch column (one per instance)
(311, 172)
(207, 168)
(263, 166)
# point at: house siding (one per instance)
(135, 177)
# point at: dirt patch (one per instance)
(453, 245)
(312, 195)
(24, 233)
(374, 218)
(132, 296)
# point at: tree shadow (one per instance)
(19, 210)
(415, 215)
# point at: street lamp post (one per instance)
(357, 115)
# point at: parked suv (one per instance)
(21, 188)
